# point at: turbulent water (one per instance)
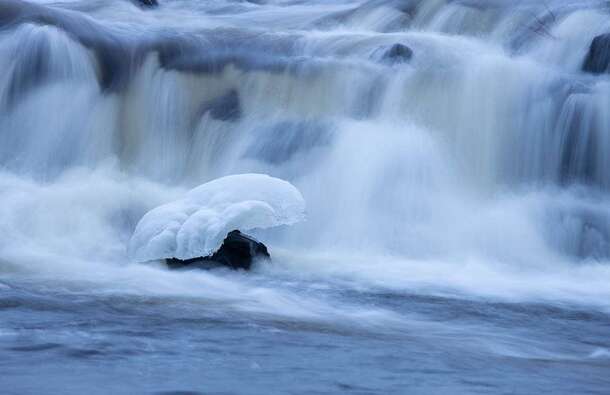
(458, 200)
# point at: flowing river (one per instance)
(454, 156)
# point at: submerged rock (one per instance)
(238, 251)
(116, 57)
(598, 57)
(397, 53)
(279, 142)
(147, 3)
(224, 108)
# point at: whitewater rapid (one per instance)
(479, 168)
(454, 157)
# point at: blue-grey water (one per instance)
(71, 339)
(457, 238)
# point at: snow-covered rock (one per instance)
(196, 225)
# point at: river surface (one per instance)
(453, 154)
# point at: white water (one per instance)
(481, 168)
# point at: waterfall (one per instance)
(488, 142)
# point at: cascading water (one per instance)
(471, 173)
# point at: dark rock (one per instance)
(405, 10)
(598, 57)
(191, 58)
(116, 58)
(147, 3)
(409, 7)
(397, 53)
(230, 47)
(224, 108)
(238, 251)
(119, 57)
